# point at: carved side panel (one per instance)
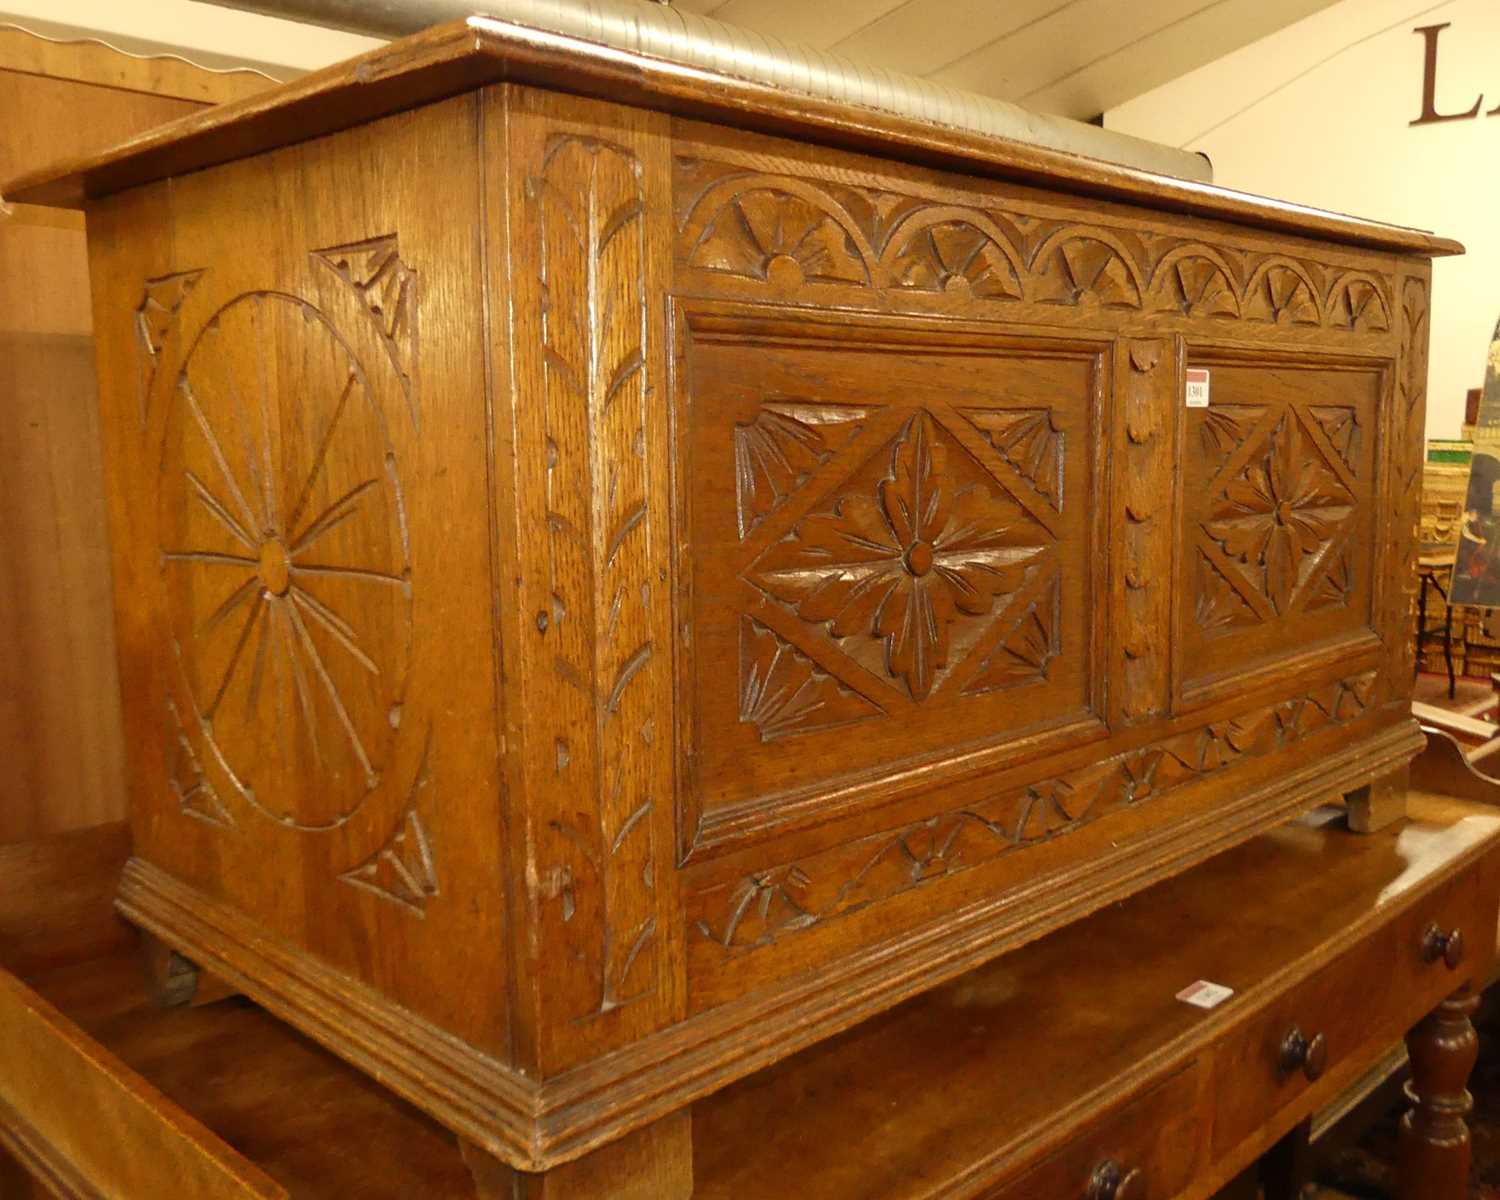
(593, 518)
(1145, 471)
(302, 577)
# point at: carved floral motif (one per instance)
(906, 563)
(1279, 511)
(1282, 293)
(779, 234)
(387, 288)
(1029, 440)
(403, 870)
(1195, 285)
(783, 692)
(1220, 606)
(767, 906)
(155, 315)
(1356, 303)
(195, 793)
(957, 256)
(1224, 428)
(1026, 651)
(777, 452)
(1085, 269)
(1340, 425)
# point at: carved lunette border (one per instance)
(790, 231)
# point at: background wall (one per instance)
(1320, 113)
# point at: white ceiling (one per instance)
(1074, 57)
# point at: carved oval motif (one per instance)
(285, 562)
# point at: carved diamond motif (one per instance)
(913, 558)
(1280, 511)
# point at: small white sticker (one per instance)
(1196, 392)
(1204, 994)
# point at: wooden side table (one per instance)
(1068, 1069)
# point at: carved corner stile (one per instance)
(588, 343)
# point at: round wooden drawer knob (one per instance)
(1446, 946)
(1111, 1181)
(1301, 1053)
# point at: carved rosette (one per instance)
(283, 555)
(284, 560)
(905, 568)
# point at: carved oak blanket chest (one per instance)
(622, 572)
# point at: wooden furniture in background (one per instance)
(1333, 946)
(60, 735)
(614, 591)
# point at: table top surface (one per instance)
(1016, 1045)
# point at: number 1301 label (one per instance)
(1196, 391)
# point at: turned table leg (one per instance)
(654, 1163)
(1435, 1147)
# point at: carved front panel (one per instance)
(1278, 518)
(890, 542)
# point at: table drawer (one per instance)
(71, 1113)
(1373, 993)
(1144, 1150)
